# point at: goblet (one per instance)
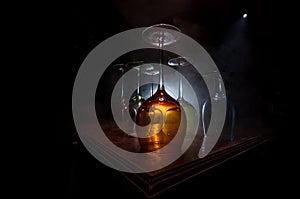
(123, 106)
(218, 95)
(161, 113)
(189, 110)
(137, 99)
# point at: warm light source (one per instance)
(245, 16)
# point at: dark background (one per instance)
(241, 48)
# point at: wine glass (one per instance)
(219, 94)
(136, 99)
(160, 109)
(189, 110)
(123, 106)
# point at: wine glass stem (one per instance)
(122, 85)
(180, 84)
(122, 97)
(138, 83)
(161, 75)
(219, 85)
(180, 87)
(151, 84)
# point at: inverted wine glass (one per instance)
(218, 94)
(136, 99)
(123, 106)
(160, 113)
(189, 110)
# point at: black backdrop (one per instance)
(247, 64)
